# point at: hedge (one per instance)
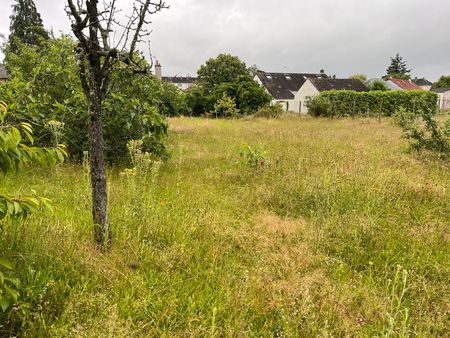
(386, 103)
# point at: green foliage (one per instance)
(360, 77)
(173, 101)
(398, 68)
(45, 87)
(13, 154)
(443, 82)
(228, 75)
(318, 106)
(225, 68)
(378, 85)
(254, 157)
(425, 132)
(9, 286)
(272, 111)
(26, 24)
(225, 107)
(350, 103)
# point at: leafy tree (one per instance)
(227, 75)
(443, 82)
(92, 25)
(378, 85)
(45, 86)
(26, 24)
(224, 68)
(360, 77)
(398, 68)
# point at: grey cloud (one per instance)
(343, 37)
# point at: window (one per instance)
(288, 76)
(268, 76)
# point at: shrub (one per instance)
(378, 85)
(270, 111)
(346, 102)
(225, 107)
(318, 106)
(425, 132)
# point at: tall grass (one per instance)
(342, 233)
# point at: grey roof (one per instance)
(339, 84)
(388, 84)
(179, 79)
(3, 73)
(422, 82)
(441, 90)
(284, 86)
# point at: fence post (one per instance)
(381, 109)
(353, 111)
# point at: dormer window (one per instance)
(288, 76)
(268, 76)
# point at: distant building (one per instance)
(182, 82)
(423, 83)
(314, 86)
(283, 87)
(444, 97)
(4, 76)
(404, 84)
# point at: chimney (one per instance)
(158, 70)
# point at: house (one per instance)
(423, 83)
(404, 84)
(444, 97)
(284, 86)
(388, 84)
(182, 82)
(4, 76)
(314, 86)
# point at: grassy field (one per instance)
(342, 232)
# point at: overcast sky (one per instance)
(341, 36)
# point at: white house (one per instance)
(314, 86)
(283, 87)
(182, 82)
(444, 97)
(423, 83)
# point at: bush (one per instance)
(351, 103)
(425, 132)
(45, 87)
(225, 107)
(318, 106)
(378, 85)
(270, 111)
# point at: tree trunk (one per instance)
(102, 231)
